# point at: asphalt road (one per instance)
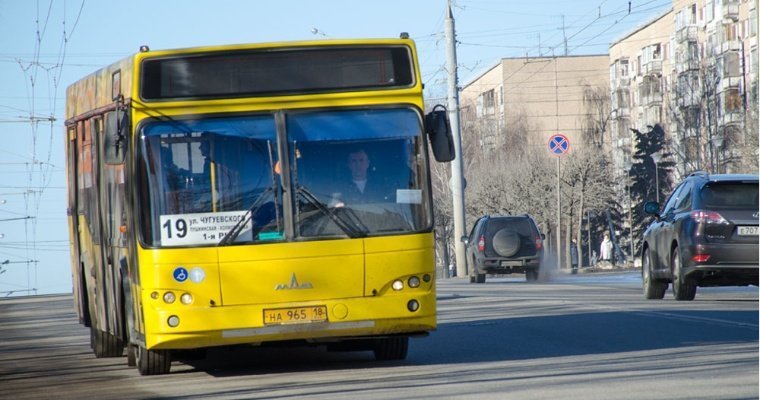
(588, 336)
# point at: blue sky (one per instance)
(45, 45)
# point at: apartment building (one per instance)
(543, 94)
(694, 71)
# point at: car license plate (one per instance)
(748, 231)
(295, 315)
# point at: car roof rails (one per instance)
(700, 173)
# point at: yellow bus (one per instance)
(254, 194)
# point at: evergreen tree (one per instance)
(643, 182)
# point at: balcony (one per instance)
(651, 99)
(623, 89)
(622, 82)
(726, 84)
(687, 65)
(688, 100)
(730, 118)
(731, 11)
(687, 34)
(653, 67)
(728, 46)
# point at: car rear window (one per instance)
(520, 225)
(742, 195)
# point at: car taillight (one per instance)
(708, 217)
(482, 243)
(700, 257)
(539, 243)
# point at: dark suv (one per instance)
(705, 235)
(504, 245)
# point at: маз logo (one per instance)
(294, 284)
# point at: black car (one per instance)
(504, 245)
(705, 235)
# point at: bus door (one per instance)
(112, 217)
(89, 226)
(79, 285)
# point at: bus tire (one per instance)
(153, 362)
(392, 348)
(105, 344)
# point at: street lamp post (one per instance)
(717, 143)
(656, 157)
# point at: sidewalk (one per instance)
(609, 267)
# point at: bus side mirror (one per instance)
(439, 134)
(115, 137)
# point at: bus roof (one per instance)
(97, 90)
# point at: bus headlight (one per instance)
(397, 285)
(169, 297)
(186, 298)
(414, 282)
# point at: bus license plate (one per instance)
(295, 315)
(748, 231)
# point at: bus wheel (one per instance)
(153, 362)
(393, 348)
(105, 344)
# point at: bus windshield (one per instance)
(201, 176)
(358, 173)
(352, 173)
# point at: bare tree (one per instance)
(596, 102)
(586, 186)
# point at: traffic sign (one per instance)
(559, 144)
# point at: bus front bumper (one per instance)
(199, 327)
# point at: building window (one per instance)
(731, 65)
(733, 100)
(624, 68)
(489, 102)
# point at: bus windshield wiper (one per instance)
(350, 228)
(238, 227)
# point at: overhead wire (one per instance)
(40, 170)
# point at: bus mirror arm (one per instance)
(439, 134)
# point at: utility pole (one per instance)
(564, 36)
(560, 248)
(457, 181)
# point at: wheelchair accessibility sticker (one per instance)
(180, 274)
